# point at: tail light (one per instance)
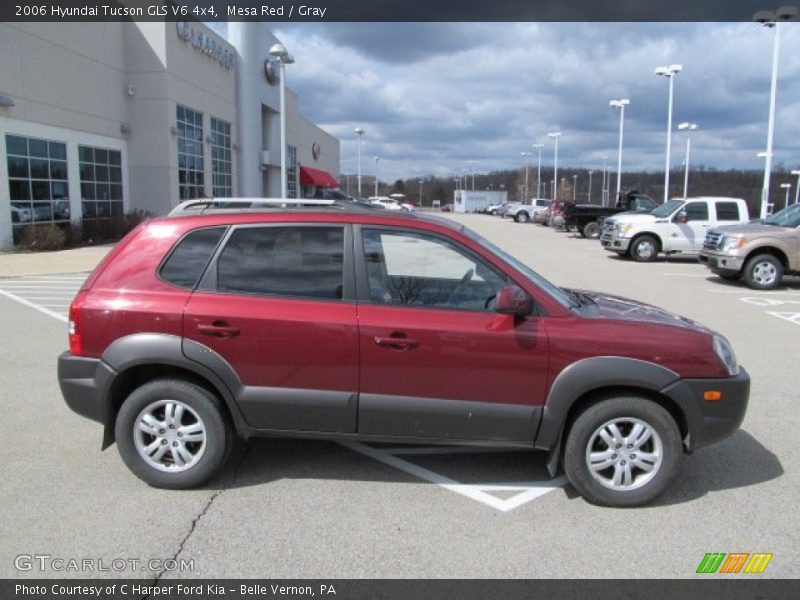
(75, 343)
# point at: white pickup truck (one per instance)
(677, 227)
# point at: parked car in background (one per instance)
(677, 227)
(505, 208)
(385, 202)
(493, 209)
(587, 219)
(447, 207)
(350, 323)
(522, 213)
(760, 252)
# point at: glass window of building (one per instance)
(37, 180)
(101, 182)
(191, 167)
(291, 172)
(221, 164)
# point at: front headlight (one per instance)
(724, 351)
(625, 230)
(732, 243)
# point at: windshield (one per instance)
(788, 217)
(556, 292)
(667, 208)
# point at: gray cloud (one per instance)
(439, 97)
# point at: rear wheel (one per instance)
(763, 272)
(622, 451)
(644, 248)
(521, 217)
(591, 230)
(173, 433)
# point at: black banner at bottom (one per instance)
(707, 588)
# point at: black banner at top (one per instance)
(382, 10)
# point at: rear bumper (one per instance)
(84, 384)
(711, 421)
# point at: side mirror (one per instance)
(513, 300)
(682, 217)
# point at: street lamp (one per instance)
(787, 187)
(797, 187)
(574, 186)
(539, 170)
(280, 54)
(526, 156)
(687, 127)
(377, 159)
(589, 193)
(360, 133)
(420, 192)
(620, 104)
(555, 135)
(604, 187)
(770, 18)
(668, 72)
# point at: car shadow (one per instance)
(740, 461)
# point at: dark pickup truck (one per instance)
(587, 218)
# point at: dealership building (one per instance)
(99, 119)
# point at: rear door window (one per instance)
(294, 261)
(696, 211)
(727, 211)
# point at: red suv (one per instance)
(344, 322)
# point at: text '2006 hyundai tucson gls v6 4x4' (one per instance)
(343, 322)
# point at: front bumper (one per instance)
(707, 421)
(84, 384)
(610, 241)
(721, 263)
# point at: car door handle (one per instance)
(396, 343)
(219, 329)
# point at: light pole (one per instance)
(377, 160)
(620, 104)
(555, 135)
(770, 18)
(420, 192)
(539, 170)
(797, 187)
(360, 133)
(687, 127)
(589, 193)
(787, 187)
(279, 53)
(669, 72)
(526, 157)
(604, 187)
(574, 187)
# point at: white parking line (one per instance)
(527, 490)
(41, 309)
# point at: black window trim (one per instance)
(362, 284)
(208, 282)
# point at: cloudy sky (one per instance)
(435, 98)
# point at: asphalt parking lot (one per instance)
(294, 509)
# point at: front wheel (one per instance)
(622, 451)
(763, 272)
(173, 434)
(644, 248)
(521, 217)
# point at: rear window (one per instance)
(727, 211)
(188, 260)
(296, 261)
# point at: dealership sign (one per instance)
(205, 43)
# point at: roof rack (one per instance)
(201, 205)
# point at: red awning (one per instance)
(309, 176)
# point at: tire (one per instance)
(493, 213)
(591, 230)
(628, 480)
(202, 457)
(763, 272)
(644, 248)
(521, 217)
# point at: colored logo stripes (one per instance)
(735, 562)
